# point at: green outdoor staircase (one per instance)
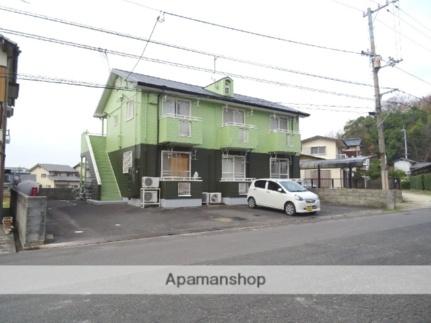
(109, 190)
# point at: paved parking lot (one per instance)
(81, 223)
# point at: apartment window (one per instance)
(184, 189)
(127, 161)
(130, 110)
(227, 87)
(280, 123)
(318, 150)
(243, 188)
(233, 116)
(43, 175)
(233, 167)
(176, 164)
(185, 128)
(279, 167)
(243, 135)
(176, 107)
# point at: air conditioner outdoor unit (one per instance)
(150, 182)
(205, 198)
(149, 197)
(214, 198)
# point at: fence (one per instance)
(344, 183)
(421, 182)
(59, 193)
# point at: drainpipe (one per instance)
(158, 151)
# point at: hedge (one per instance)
(417, 182)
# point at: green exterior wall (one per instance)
(147, 135)
(207, 133)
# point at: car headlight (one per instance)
(299, 198)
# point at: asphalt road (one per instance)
(388, 239)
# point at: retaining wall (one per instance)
(29, 213)
(361, 197)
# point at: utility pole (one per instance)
(376, 65)
(405, 142)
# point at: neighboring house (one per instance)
(195, 139)
(352, 147)
(404, 164)
(55, 176)
(77, 168)
(9, 52)
(324, 148)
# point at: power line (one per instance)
(174, 46)
(181, 65)
(327, 105)
(62, 81)
(253, 33)
(145, 47)
(412, 75)
(414, 19)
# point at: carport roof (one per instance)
(334, 163)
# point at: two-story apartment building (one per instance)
(195, 139)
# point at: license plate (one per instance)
(309, 208)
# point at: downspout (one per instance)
(158, 157)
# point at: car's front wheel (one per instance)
(251, 203)
(289, 208)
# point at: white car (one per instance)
(283, 194)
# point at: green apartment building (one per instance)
(195, 139)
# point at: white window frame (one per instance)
(130, 110)
(278, 118)
(279, 174)
(187, 192)
(318, 153)
(234, 176)
(176, 113)
(233, 123)
(162, 175)
(189, 128)
(245, 135)
(127, 161)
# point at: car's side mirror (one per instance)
(280, 190)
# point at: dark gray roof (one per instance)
(351, 142)
(420, 167)
(333, 163)
(164, 84)
(55, 168)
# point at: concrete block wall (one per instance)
(30, 219)
(361, 197)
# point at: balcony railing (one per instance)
(237, 136)
(282, 141)
(185, 130)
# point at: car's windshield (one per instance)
(293, 186)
